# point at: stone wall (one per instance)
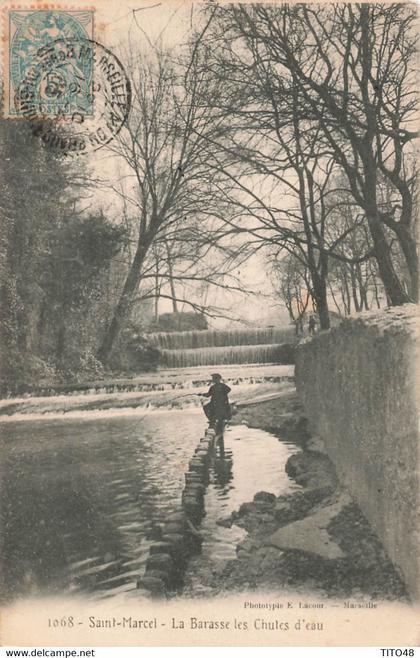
(358, 386)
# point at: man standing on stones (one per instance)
(218, 409)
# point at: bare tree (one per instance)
(192, 261)
(293, 285)
(167, 185)
(353, 69)
(275, 167)
(353, 283)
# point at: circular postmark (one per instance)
(75, 94)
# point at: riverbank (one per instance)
(315, 540)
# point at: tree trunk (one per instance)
(364, 298)
(320, 294)
(345, 291)
(409, 249)
(362, 288)
(157, 292)
(121, 311)
(157, 309)
(375, 287)
(171, 279)
(354, 290)
(173, 295)
(334, 299)
(394, 290)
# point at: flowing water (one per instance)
(185, 340)
(183, 349)
(203, 356)
(233, 482)
(81, 496)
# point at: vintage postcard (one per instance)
(208, 327)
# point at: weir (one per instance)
(212, 356)
(183, 349)
(185, 340)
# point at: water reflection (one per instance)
(79, 499)
(250, 460)
(222, 467)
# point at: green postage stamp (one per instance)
(56, 90)
(72, 91)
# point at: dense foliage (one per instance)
(54, 260)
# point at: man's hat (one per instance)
(216, 375)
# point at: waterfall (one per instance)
(212, 356)
(188, 340)
(184, 349)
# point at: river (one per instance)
(81, 497)
(253, 461)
